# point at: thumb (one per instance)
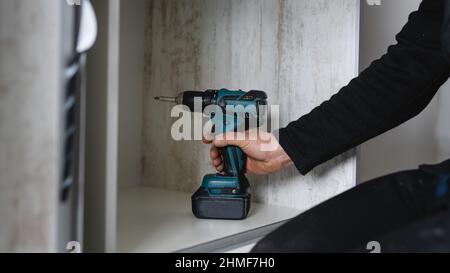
(230, 138)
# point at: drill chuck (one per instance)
(189, 98)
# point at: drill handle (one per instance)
(234, 160)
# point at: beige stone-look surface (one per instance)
(30, 66)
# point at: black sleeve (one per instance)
(392, 90)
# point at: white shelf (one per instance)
(155, 220)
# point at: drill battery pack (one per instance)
(211, 206)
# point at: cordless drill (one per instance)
(225, 195)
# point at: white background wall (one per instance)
(131, 79)
(424, 139)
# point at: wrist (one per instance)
(283, 158)
(280, 156)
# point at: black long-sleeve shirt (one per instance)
(392, 90)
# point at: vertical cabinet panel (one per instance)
(30, 132)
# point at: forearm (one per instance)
(392, 90)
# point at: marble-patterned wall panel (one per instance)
(299, 51)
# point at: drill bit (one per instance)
(166, 99)
(177, 100)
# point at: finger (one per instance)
(232, 138)
(219, 168)
(217, 162)
(214, 153)
(208, 138)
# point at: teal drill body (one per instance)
(226, 195)
(235, 163)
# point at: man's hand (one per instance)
(264, 154)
